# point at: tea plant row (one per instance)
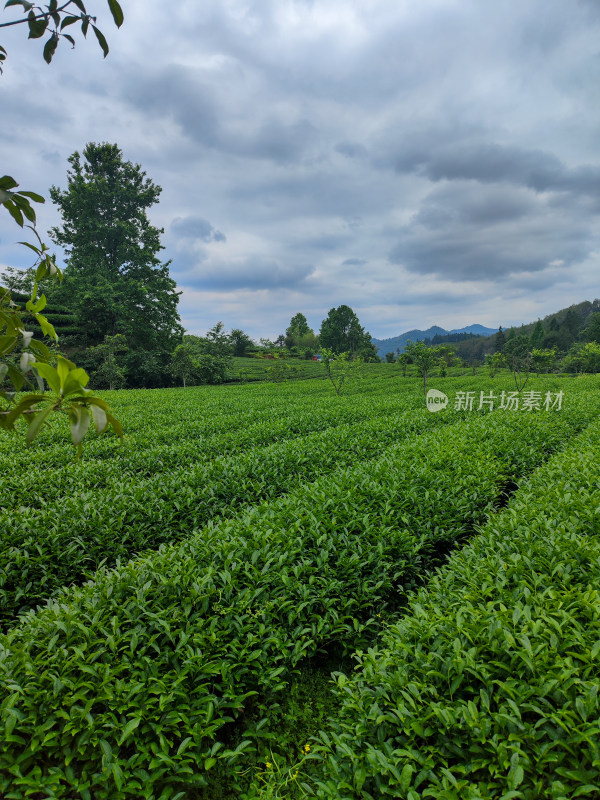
(66, 538)
(133, 685)
(489, 686)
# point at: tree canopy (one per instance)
(342, 332)
(114, 280)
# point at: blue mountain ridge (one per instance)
(399, 342)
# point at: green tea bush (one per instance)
(134, 684)
(57, 544)
(488, 688)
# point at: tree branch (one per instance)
(42, 15)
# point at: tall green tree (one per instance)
(342, 332)
(114, 279)
(592, 328)
(240, 342)
(537, 335)
(499, 340)
(297, 328)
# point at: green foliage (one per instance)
(240, 342)
(66, 382)
(592, 328)
(281, 371)
(341, 332)
(256, 369)
(494, 362)
(18, 204)
(517, 354)
(183, 364)
(543, 360)
(499, 340)
(141, 682)
(54, 18)
(339, 367)
(537, 337)
(114, 281)
(583, 358)
(424, 358)
(488, 687)
(210, 464)
(300, 339)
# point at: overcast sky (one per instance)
(430, 162)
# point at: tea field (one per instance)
(271, 591)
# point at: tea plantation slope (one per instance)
(131, 686)
(65, 540)
(490, 687)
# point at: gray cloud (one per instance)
(351, 149)
(488, 162)
(251, 273)
(465, 233)
(450, 149)
(196, 228)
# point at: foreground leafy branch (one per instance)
(24, 359)
(54, 18)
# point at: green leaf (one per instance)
(7, 344)
(100, 419)
(47, 327)
(15, 212)
(75, 382)
(36, 423)
(101, 40)
(50, 48)
(116, 425)
(35, 249)
(129, 729)
(116, 11)
(49, 374)
(6, 182)
(406, 777)
(40, 349)
(79, 421)
(68, 21)
(38, 306)
(37, 27)
(63, 367)
(33, 196)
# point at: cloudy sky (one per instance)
(430, 162)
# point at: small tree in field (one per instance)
(183, 363)
(543, 359)
(404, 361)
(518, 357)
(494, 362)
(339, 367)
(424, 358)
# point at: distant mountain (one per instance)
(399, 342)
(478, 330)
